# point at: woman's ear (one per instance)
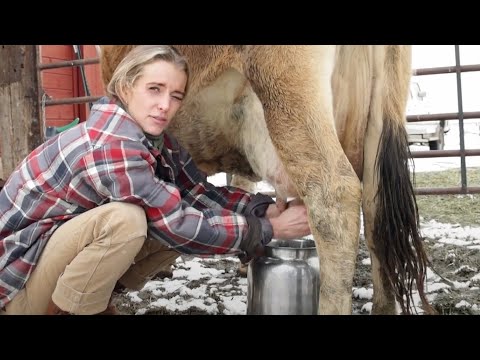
(124, 94)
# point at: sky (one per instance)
(439, 90)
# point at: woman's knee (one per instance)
(127, 219)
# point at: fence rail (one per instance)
(74, 100)
(69, 63)
(445, 70)
(443, 116)
(460, 116)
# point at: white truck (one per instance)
(431, 133)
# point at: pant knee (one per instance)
(129, 219)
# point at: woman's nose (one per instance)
(164, 103)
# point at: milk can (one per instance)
(285, 281)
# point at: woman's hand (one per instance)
(273, 211)
(291, 223)
(280, 206)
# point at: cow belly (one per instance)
(225, 118)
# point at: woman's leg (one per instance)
(83, 260)
(152, 259)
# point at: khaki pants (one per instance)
(87, 255)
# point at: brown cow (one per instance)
(317, 122)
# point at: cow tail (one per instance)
(398, 242)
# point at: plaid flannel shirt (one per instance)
(108, 158)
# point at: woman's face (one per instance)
(156, 96)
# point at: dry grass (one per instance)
(456, 209)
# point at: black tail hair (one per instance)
(398, 244)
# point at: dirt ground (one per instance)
(227, 270)
(458, 293)
(456, 264)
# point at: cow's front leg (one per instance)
(293, 84)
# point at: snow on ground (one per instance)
(212, 286)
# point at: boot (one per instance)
(164, 274)
(110, 310)
(53, 309)
(118, 289)
(242, 270)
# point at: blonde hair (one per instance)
(131, 66)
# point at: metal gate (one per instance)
(460, 116)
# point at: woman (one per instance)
(114, 200)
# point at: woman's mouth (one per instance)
(159, 119)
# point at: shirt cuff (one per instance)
(258, 205)
(260, 232)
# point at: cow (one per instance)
(325, 124)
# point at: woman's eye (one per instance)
(179, 98)
(155, 88)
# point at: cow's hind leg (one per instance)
(294, 85)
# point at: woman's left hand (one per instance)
(272, 211)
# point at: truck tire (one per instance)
(438, 144)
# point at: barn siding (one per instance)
(94, 80)
(66, 83)
(59, 83)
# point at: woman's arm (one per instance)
(124, 172)
(199, 193)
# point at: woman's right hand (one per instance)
(291, 223)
